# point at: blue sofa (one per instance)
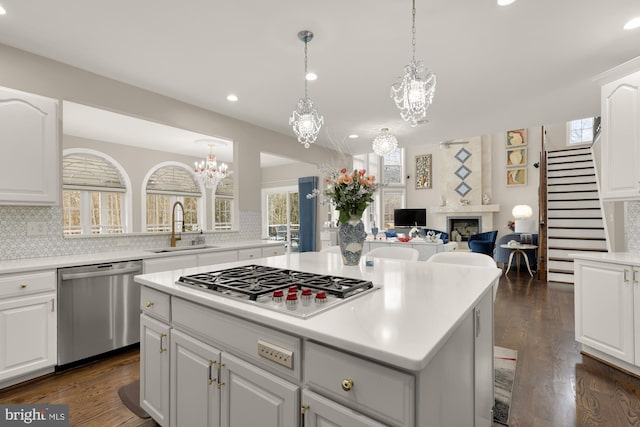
(501, 255)
(483, 243)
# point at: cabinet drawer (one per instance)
(246, 254)
(25, 284)
(379, 391)
(155, 303)
(273, 251)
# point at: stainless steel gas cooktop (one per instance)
(295, 292)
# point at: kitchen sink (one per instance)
(181, 249)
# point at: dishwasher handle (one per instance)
(71, 276)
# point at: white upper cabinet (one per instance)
(29, 149)
(620, 177)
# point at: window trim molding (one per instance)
(127, 223)
(143, 193)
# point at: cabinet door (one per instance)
(195, 399)
(28, 339)
(621, 138)
(321, 412)
(604, 308)
(254, 397)
(29, 135)
(154, 369)
(483, 351)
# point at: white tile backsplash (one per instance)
(16, 244)
(632, 226)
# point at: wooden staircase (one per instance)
(574, 214)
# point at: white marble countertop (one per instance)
(45, 263)
(414, 241)
(404, 323)
(613, 257)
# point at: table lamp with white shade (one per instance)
(522, 215)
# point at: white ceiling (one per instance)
(498, 68)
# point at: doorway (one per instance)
(281, 218)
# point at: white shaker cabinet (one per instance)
(28, 321)
(319, 411)
(195, 390)
(604, 308)
(29, 149)
(154, 369)
(251, 396)
(620, 137)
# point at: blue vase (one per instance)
(351, 237)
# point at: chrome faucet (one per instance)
(174, 239)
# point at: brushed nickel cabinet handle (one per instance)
(162, 349)
(624, 276)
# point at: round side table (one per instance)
(518, 249)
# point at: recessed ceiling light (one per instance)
(634, 23)
(311, 76)
(353, 136)
(232, 98)
(2, 11)
(505, 2)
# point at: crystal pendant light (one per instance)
(413, 93)
(384, 143)
(209, 172)
(305, 120)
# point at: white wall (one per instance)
(493, 173)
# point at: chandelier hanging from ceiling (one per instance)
(384, 143)
(305, 120)
(210, 172)
(413, 93)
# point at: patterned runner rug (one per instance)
(504, 366)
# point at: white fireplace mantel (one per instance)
(439, 214)
(464, 209)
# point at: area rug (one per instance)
(504, 366)
(130, 396)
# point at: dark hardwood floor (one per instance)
(555, 386)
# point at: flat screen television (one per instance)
(410, 217)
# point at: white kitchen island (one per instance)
(417, 351)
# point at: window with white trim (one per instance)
(223, 205)
(93, 194)
(580, 131)
(166, 186)
(390, 171)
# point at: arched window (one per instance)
(95, 193)
(167, 184)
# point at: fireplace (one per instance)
(461, 227)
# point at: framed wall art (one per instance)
(516, 176)
(423, 172)
(516, 138)
(516, 157)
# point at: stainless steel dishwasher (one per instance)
(99, 309)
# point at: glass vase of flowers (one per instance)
(350, 193)
(511, 225)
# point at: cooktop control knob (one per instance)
(292, 301)
(278, 296)
(293, 289)
(305, 296)
(321, 297)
